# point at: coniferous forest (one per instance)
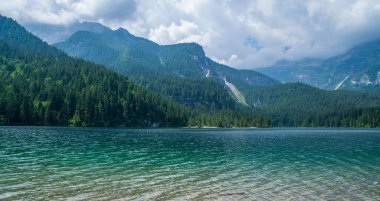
(40, 90)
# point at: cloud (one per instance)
(60, 12)
(233, 58)
(183, 32)
(243, 34)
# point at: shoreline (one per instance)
(184, 127)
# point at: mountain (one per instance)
(168, 66)
(183, 73)
(41, 85)
(357, 69)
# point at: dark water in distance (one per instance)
(48, 163)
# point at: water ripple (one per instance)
(42, 163)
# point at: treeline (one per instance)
(361, 117)
(228, 119)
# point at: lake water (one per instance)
(47, 163)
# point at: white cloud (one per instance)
(244, 34)
(231, 59)
(178, 33)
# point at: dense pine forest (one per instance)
(40, 90)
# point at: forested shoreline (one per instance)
(42, 86)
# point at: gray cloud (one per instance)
(65, 12)
(243, 34)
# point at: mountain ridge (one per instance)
(357, 69)
(136, 57)
(57, 33)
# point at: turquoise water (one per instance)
(42, 163)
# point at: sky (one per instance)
(240, 33)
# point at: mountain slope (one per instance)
(357, 69)
(15, 35)
(139, 58)
(40, 85)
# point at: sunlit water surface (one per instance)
(42, 163)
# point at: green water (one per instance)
(42, 163)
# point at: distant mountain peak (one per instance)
(57, 33)
(124, 33)
(356, 69)
(121, 29)
(91, 26)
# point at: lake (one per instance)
(53, 163)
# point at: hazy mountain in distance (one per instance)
(57, 33)
(357, 69)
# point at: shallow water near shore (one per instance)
(53, 163)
